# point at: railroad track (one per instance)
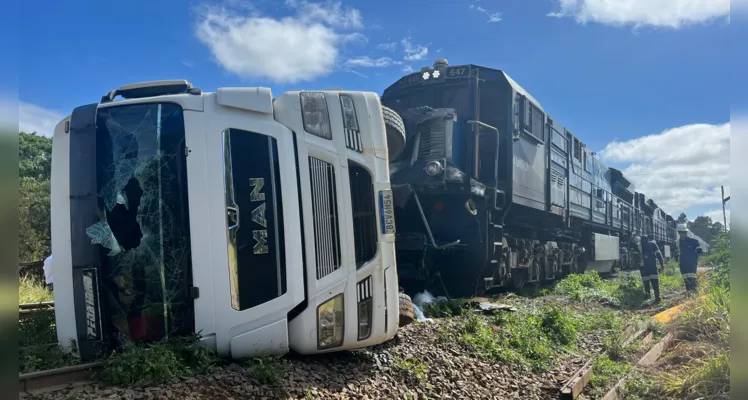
(58, 378)
(29, 308)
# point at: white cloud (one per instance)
(492, 16)
(656, 13)
(408, 69)
(331, 14)
(32, 118)
(678, 168)
(300, 47)
(414, 52)
(368, 62)
(716, 216)
(387, 46)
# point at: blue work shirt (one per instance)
(688, 252)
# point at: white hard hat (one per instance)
(682, 228)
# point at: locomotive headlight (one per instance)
(433, 168)
(330, 323)
(426, 75)
(315, 115)
(436, 74)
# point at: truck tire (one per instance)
(406, 310)
(395, 128)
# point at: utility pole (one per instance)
(724, 200)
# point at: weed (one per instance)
(601, 320)
(629, 292)
(443, 309)
(32, 290)
(269, 370)
(157, 363)
(37, 328)
(559, 325)
(143, 365)
(410, 367)
(605, 372)
(194, 356)
(587, 287)
(43, 357)
(720, 261)
(613, 344)
(512, 338)
(640, 385)
(709, 318)
(708, 379)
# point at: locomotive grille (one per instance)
(325, 214)
(353, 140)
(432, 141)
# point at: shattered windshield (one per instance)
(144, 227)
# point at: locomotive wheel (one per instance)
(519, 278)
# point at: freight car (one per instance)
(493, 191)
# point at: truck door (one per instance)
(246, 213)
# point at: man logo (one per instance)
(258, 216)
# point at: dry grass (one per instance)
(31, 290)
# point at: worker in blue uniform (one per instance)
(650, 255)
(688, 257)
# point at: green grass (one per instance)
(444, 309)
(410, 368)
(269, 370)
(605, 372)
(529, 338)
(31, 290)
(704, 379)
(158, 363)
(626, 292)
(699, 366)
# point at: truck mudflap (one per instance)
(86, 263)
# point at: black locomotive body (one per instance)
(493, 191)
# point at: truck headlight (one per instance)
(315, 115)
(330, 323)
(349, 113)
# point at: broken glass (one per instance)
(143, 229)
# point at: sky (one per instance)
(642, 82)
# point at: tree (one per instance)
(35, 157)
(35, 169)
(682, 218)
(702, 227)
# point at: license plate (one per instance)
(387, 212)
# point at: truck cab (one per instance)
(263, 224)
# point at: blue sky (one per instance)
(644, 82)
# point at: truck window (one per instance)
(364, 214)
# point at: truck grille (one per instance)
(353, 140)
(325, 214)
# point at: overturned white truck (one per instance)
(263, 224)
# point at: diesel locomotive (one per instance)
(492, 190)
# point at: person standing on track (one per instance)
(688, 257)
(650, 277)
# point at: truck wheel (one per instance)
(406, 309)
(395, 132)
